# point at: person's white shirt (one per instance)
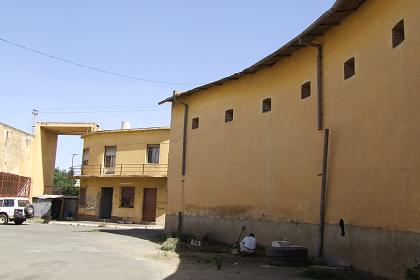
(249, 243)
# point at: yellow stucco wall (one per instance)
(15, 151)
(131, 145)
(131, 149)
(266, 166)
(93, 194)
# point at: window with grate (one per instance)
(349, 68)
(195, 123)
(127, 197)
(229, 115)
(266, 105)
(82, 197)
(305, 90)
(398, 34)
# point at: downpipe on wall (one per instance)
(323, 193)
(320, 85)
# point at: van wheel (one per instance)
(18, 222)
(3, 219)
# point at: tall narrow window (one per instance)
(127, 197)
(153, 153)
(398, 34)
(266, 105)
(349, 68)
(305, 90)
(109, 159)
(85, 158)
(195, 123)
(229, 115)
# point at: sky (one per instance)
(183, 43)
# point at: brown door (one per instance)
(149, 205)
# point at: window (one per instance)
(349, 68)
(305, 90)
(109, 159)
(85, 158)
(153, 153)
(23, 203)
(1, 203)
(82, 197)
(195, 123)
(8, 203)
(229, 115)
(127, 197)
(266, 105)
(398, 34)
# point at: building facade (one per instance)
(250, 150)
(123, 175)
(15, 161)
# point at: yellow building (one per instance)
(123, 175)
(249, 149)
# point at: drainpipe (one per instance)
(320, 93)
(323, 193)
(184, 138)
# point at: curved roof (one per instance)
(340, 10)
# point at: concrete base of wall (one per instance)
(115, 219)
(381, 252)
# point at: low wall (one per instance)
(381, 252)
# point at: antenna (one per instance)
(35, 113)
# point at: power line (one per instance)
(92, 67)
(137, 106)
(103, 111)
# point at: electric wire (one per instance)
(93, 68)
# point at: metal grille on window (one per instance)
(266, 105)
(305, 90)
(229, 115)
(398, 34)
(127, 197)
(349, 68)
(153, 153)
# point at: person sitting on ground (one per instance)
(248, 244)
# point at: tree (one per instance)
(64, 182)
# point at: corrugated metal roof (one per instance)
(331, 18)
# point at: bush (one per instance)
(412, 272)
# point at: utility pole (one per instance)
(72, 164)
(35, 113)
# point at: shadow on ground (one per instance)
(155, 235)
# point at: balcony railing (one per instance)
(152, 170)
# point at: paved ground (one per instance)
(53, 251)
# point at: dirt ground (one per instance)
(53, 251)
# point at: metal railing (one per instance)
(148, 169)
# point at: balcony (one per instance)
(121, 170)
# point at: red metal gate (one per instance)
(14, 185)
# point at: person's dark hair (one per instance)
(251, 234)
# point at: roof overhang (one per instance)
(333, 17)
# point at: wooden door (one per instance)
(149, 205)
(106, 203)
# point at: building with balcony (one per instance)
(123, 175)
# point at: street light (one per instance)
(72, 165)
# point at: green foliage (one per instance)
(64, 182)
(412, 272)
(170, 244)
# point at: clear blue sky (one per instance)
(181, 41)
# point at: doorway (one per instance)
(106, 203)
(149, 205)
